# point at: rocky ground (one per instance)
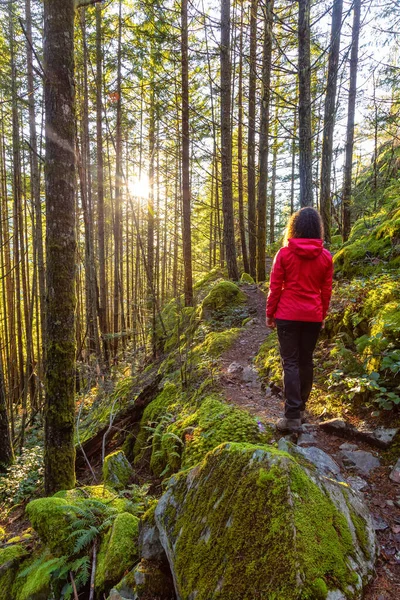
(356, 454)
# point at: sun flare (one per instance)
(139, 188)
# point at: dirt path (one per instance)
(243, 388)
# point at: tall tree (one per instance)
(264, 142)
(305, 129)
(251, 143)
(187, 239)
(329, 118)
(226, 141)
(351, 110)
(100, 186)
(240, 149)
(6, 450)
(60, 174)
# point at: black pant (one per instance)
(297, 341)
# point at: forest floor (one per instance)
(243, 388)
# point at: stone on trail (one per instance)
(254, 522)
(117, 470)
(306, 438)
(362, 461)
(234, 369)
(347, 446)
(325, 464)
(380, 437)
(395, 474)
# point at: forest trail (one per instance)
(240, 379)
(243, 387)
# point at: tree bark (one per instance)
(348, 164)
(264, 143)
(187, 239)
(329, 118)
(226, 142)
(118, 193)
(6, 450)
(251, 144)
(60, 175)
(240, 151)
(305, 130)
(100, 187)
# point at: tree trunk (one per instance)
(118, 193)
(329, 118)
(251, 144)
(264, 143)
(6, 451)
(348, 164)
(240, 151)
(187, 240)
(226, 142)
(100, 187)
(305, 131)
(60, 176)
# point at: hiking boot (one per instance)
(285, 424)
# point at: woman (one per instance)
(298, 300)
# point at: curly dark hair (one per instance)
(305, 223)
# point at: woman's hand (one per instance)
(270, 321)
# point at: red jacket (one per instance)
(301, 281)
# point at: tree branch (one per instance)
(83, 3)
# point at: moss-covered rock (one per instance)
(223, 295)
(246, 278)
(2, 534)
(35, 578)
(102, 493)
(49, 518)
(118, 552)
(373, 245)
(217, 342)
(166, 402)
(251, 522)
(10, 559)
(117, 470)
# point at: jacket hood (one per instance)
(306, 248)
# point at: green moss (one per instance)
(2, 534)
(99, 492)
(324, 541)
(246, 278)
(222, 296)
(212, 424)
(118, 551)
(50, 520)
(217, 342)
(36, 584)
(268, 360)
(372, 245)
(165, 402)
(117, 470)
(10, 559)
(247, 522)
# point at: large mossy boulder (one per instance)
(222, 297)
(50, 519)
(117, 470)
(10, 560)
(118, 551)
(252, 522)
